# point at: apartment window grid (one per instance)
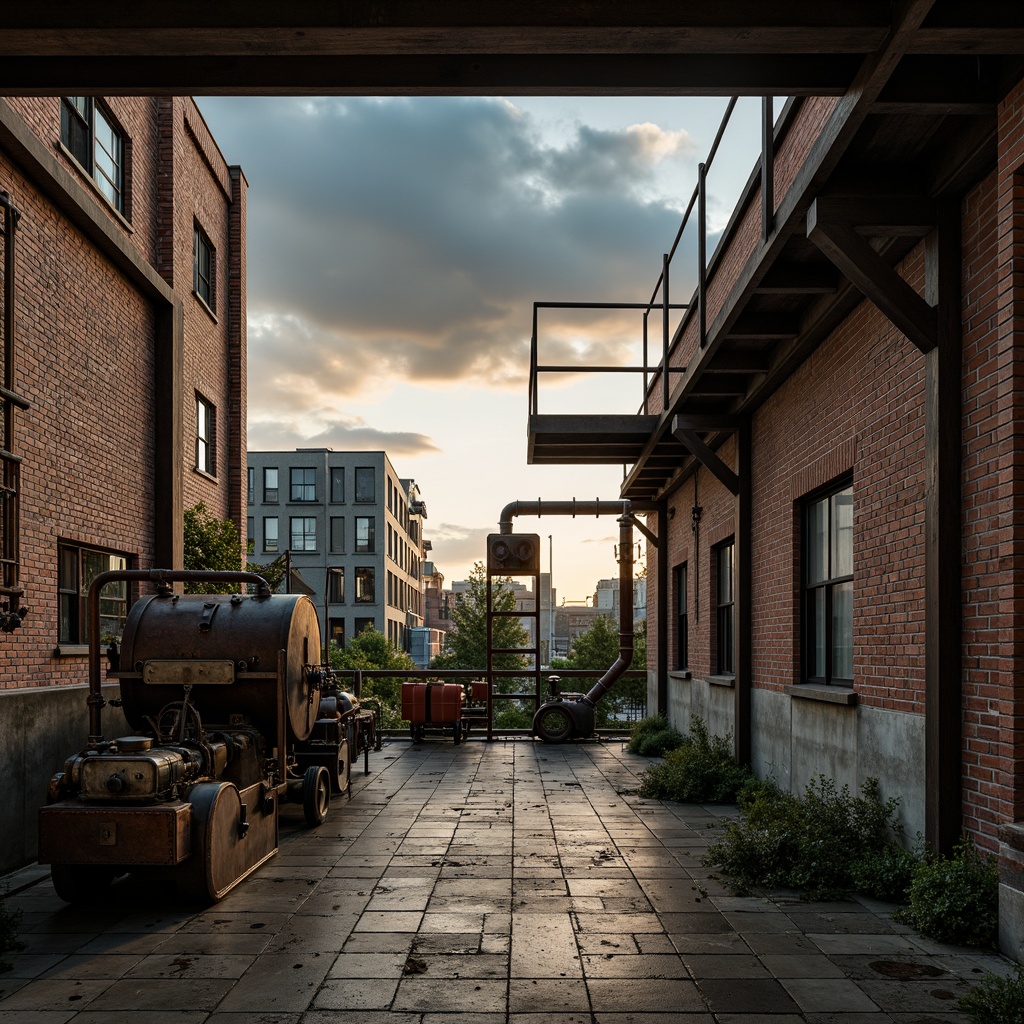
(303, 533)
(271, 488)
(302, 484)
(206, 435)
(725, 621)
(828, 587)
(337, 485)
(77, 567)
(682, 618)
(204, 268)
(88, 132)
(270, 533)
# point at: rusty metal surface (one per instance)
(155, 835)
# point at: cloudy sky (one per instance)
(395, 249)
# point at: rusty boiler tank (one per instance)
(218, 689)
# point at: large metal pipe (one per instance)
(572, 508)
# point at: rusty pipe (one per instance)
(560, 508)
(158, 577)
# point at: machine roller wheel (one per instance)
(82, 883)
(457, 733)
(316, 794)
(341, 773)
(554, 724)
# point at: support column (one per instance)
(943, 512)
(168, 434)
(661, 666)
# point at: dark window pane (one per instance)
(337, 483)
(842, 534)
(365, 488)
(842, 631)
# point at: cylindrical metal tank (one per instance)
(226, 648)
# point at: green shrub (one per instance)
(824, 844)
(996, 1000)
(885, 874)
(652, 737)
(700, 770)
(9, 921)
(956, 899)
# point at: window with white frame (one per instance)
(206, 435)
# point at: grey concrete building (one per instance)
(352, 531)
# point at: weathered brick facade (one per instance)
(111, 346)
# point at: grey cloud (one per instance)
(339, 434)
(455, 545)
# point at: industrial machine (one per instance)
(222, 693)
(444, 707)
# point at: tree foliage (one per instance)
(215, 544)
(466, 643)
(371, 649)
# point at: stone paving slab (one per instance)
(503, 883)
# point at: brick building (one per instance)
(124, 336)
(833, 472)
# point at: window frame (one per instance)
(277, 534)
(275, 490)
(337, 485)
(206, 436)
(73, 598)
(364, 595)
(682, 605)
(305, 534)
(824, 589)
(368, 546)
(204, 280)
(336, 523)
(725, 609)
(80, 139)
(304, 488)
(362, 471)
(336, 584)
(250, 485)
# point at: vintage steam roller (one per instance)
(219, 690)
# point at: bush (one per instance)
(700, 770)
(652, 737)
(9, 921)
(825, 844)
(996, 1000)
(956, 899)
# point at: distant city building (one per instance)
(352, 532)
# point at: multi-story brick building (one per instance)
(833, 469)
(124, 340)
(353, 531)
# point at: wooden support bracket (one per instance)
(706, 456)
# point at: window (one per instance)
(77, 568)
(828, 588)
(336, 632)
(88, 133)
(204, 268)
(724, 619)
(250, 526)
(250, 488)
(365, 484)
(337, 484)
(682, 623)
(366, 532)
(336, 585)
(337, 535)
(303, 531)
(362, 625)
(302, 484)
(270, 487)
(206, 436)
(365, 580)
(270, 533)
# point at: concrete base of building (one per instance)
(1011, 890)
(42, 727)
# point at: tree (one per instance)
(598, 649)
(215, 544)
(371, 649)
(465, 645)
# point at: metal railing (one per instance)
(663, 371)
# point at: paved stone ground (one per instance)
(503, 883)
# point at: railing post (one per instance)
(702, 253)
(533, 364)
(664, 331)
(767, 168)
(644, 406)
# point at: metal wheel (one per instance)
(82, 883)
(341, 773)
(316, 794)
(553, 724)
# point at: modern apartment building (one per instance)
(124, 400)
(353, 533)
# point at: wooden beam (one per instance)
(764, 325)
(875, 278)
(697, 421)
(798, 279)
(897, 216)
(708, 458)
(738, 361)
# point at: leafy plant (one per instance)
(371, 649)
(956, 899)
(653, 736)
(213, 543)
(9, 921)
(700, 770)
(825, 844)
(996, 1000)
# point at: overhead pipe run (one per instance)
(567, 716)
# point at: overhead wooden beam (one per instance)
(896, 216)
(738, 361)
(764, 325)
(875, 278)
(707, 457)
(798, 279)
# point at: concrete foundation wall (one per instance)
(41, 728)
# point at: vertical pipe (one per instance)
(702, 252)
(767, 168)
(664, 332)
(9, 551)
